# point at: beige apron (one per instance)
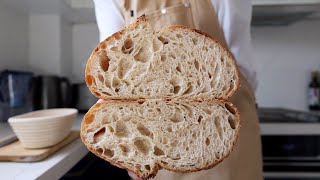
(244, 162)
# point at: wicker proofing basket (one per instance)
(43, 128)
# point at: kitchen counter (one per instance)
(53, 167)
(62, 161)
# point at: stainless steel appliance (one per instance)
(294, 151)
(52, 92)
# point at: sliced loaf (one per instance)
(176, 135)
(177, 62)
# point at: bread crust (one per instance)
(158, 165)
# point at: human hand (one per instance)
(130, 173)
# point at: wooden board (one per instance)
(15, 151)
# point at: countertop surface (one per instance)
(53, 167)
(62, 161)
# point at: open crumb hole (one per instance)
(109, 153)
(143, 55)
(199, 119)
(218, 127)
(110, 129)
(106, 93)
(127, 47)
(163, 57)
(196, 64)
(143, 146)
(124, 67)
(121, 129)
(144, 130)
(195, 41)
(98, 136)
(222, 59)
(163, 162)
(163, 40)
(125, 149)
(188, 91)
(99, 150)
(157, 151)
(147, 167)
(232, 122)
(115, 82)
(178, 68)
(207, 141)
(104, 61)
(176, 89)
(100, 77)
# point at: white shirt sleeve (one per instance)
(235, 17)
(109, 18)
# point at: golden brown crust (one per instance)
(123, 165)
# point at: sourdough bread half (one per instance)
(177, 62)
(176, 135)
(165, 100)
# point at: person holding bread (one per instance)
(228, 22)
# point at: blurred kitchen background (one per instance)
(44, 46)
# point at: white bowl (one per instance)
(43, 128)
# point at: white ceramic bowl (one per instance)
(43, 128)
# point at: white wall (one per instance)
(13, 39)
(44, 44)
(50, 45)
(285, 56)
(85, 39)
(66, 48)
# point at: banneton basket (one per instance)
(43, 128)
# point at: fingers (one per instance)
(133, 175)
(116, 165)
(130, 173)
(100, 101)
